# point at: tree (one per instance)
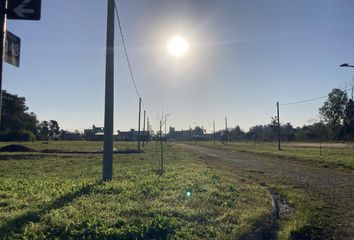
(348, 120)
(236, 133)
(16, 122)
(53, 128)
(333, 109)
(43, 130)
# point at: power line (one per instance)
(311, 99)
(125, 50)
(303, 101)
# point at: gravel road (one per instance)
(335, 187)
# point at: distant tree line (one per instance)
(336, 123)
(17, 124)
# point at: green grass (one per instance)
(302, 220)
(58, 196)
(338, 155)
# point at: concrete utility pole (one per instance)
(226, 134)
(144, 128)
(278, 126)
(166, 126)
(161, 161)
(109, 97)
(214, 131)
(147, 130)
(2, 43)
(139, 124)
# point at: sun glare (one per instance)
(178, 46)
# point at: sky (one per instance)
(244, 56)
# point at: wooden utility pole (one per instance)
(139, 124)
(109, 97)
(144, 129)
(278, 126)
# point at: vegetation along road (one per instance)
(317, 199)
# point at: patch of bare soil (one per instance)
(16, 148)
(125, 151)
(334, 187)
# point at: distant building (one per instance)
(132, 135)
(70, 136)
(94, 134)
(183, 135)
(196, 134)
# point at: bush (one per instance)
(21, 135)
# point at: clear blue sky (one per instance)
(244, 57)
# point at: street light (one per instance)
(346, 65)
(167, 114)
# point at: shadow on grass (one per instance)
(16, 225)
(22, 157)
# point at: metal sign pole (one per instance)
(108, 118)
(2, 41)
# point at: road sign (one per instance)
(12, 49)
(24, 9)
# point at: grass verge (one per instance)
(48, 196)
(331, 155)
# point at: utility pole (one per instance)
(166, 126)
(148, 130)
(214, 131)
(109, 96)
(2, 43)
(139, 124)
(226, 134)
(144, 129)
(161, 161)
(278, 126)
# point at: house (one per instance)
(92, 134)
(70, 136)
(196, 134)
(96, 134)
(132, 135)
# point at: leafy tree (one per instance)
(16, 122)
(333, 109)
(236, 133)
(43, 130)
(315, 132)
(348, 120)
(53, 128)
(198, 131)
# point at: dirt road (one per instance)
(334, 187)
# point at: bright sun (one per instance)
(178, 46)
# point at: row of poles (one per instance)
(109, 99)
(225, 140)
(107, 170)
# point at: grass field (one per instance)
(59, 196)
(339, 155)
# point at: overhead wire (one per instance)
(136, 88)
(125, 51)
(310, 100)
(127, 57)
